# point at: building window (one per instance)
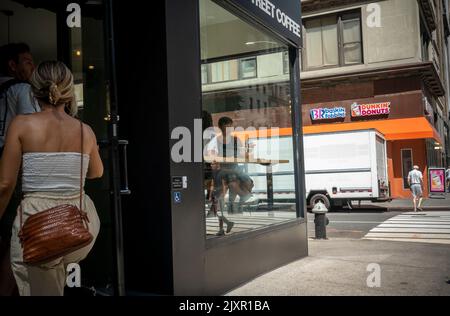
(351, 38)
(224, 71)
(333, 41)
(248, 68)
(229, 70)
(407, 166)
(204, 74)
(425, 42)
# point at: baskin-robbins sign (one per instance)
(372, 109)
(327, 113)
(281, 16)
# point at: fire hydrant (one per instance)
(320, 220)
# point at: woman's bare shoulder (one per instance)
(88, 130)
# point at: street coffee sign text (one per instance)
(327, 114)
(281, 16)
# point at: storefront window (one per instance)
(248, 153)
(434, 154)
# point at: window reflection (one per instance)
(77, 64)
(248, 152)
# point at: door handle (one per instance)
(124, 189)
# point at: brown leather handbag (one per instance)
(55, 232)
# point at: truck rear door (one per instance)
(382, 176)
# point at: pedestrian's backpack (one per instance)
(4, 87)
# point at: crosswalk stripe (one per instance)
(433, 226)
(427, 227)
(410, 230)
(407, 235)
(419, 221)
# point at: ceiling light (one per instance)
(261, 42)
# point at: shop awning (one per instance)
(400, 129)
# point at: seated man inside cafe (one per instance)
(229, 176)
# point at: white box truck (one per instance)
(340, 167)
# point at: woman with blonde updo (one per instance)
(48, 145)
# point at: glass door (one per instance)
(74, 32)
(83, 48)
(85, 55)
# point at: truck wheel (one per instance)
(320, 197)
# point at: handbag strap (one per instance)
(81, 168)
(83, 216)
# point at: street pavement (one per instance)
(339, 267)
(411, 251)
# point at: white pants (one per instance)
(48, 279)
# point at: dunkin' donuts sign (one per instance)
(361, 110)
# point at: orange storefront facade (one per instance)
(400, 117)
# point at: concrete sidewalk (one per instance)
(429, 204)
(339, 267)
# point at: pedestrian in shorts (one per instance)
(415, 181)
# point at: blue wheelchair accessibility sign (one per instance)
(177, 197)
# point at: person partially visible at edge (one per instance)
(16, 68)
(447, 177)
(415, 181)
(48, 144)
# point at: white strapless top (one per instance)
(53, 171)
